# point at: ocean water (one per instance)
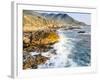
(72, 50)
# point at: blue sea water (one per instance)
(81, 53)
(72, 50)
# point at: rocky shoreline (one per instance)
(32, 62)
(38, 41)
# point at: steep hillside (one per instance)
(64, 19)
(33, 21)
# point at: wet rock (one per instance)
(33, 62)
(40, 59)
(28, 62)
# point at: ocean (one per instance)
(72, 50)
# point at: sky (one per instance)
(84, 17)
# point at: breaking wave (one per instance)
(73, 49)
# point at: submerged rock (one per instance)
(81, 32)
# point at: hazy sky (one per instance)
(84, 17)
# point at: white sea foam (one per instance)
(34, 53)
(60, 59)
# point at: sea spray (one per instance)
(63, 48)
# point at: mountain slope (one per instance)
(63, 18)
(33, 21)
